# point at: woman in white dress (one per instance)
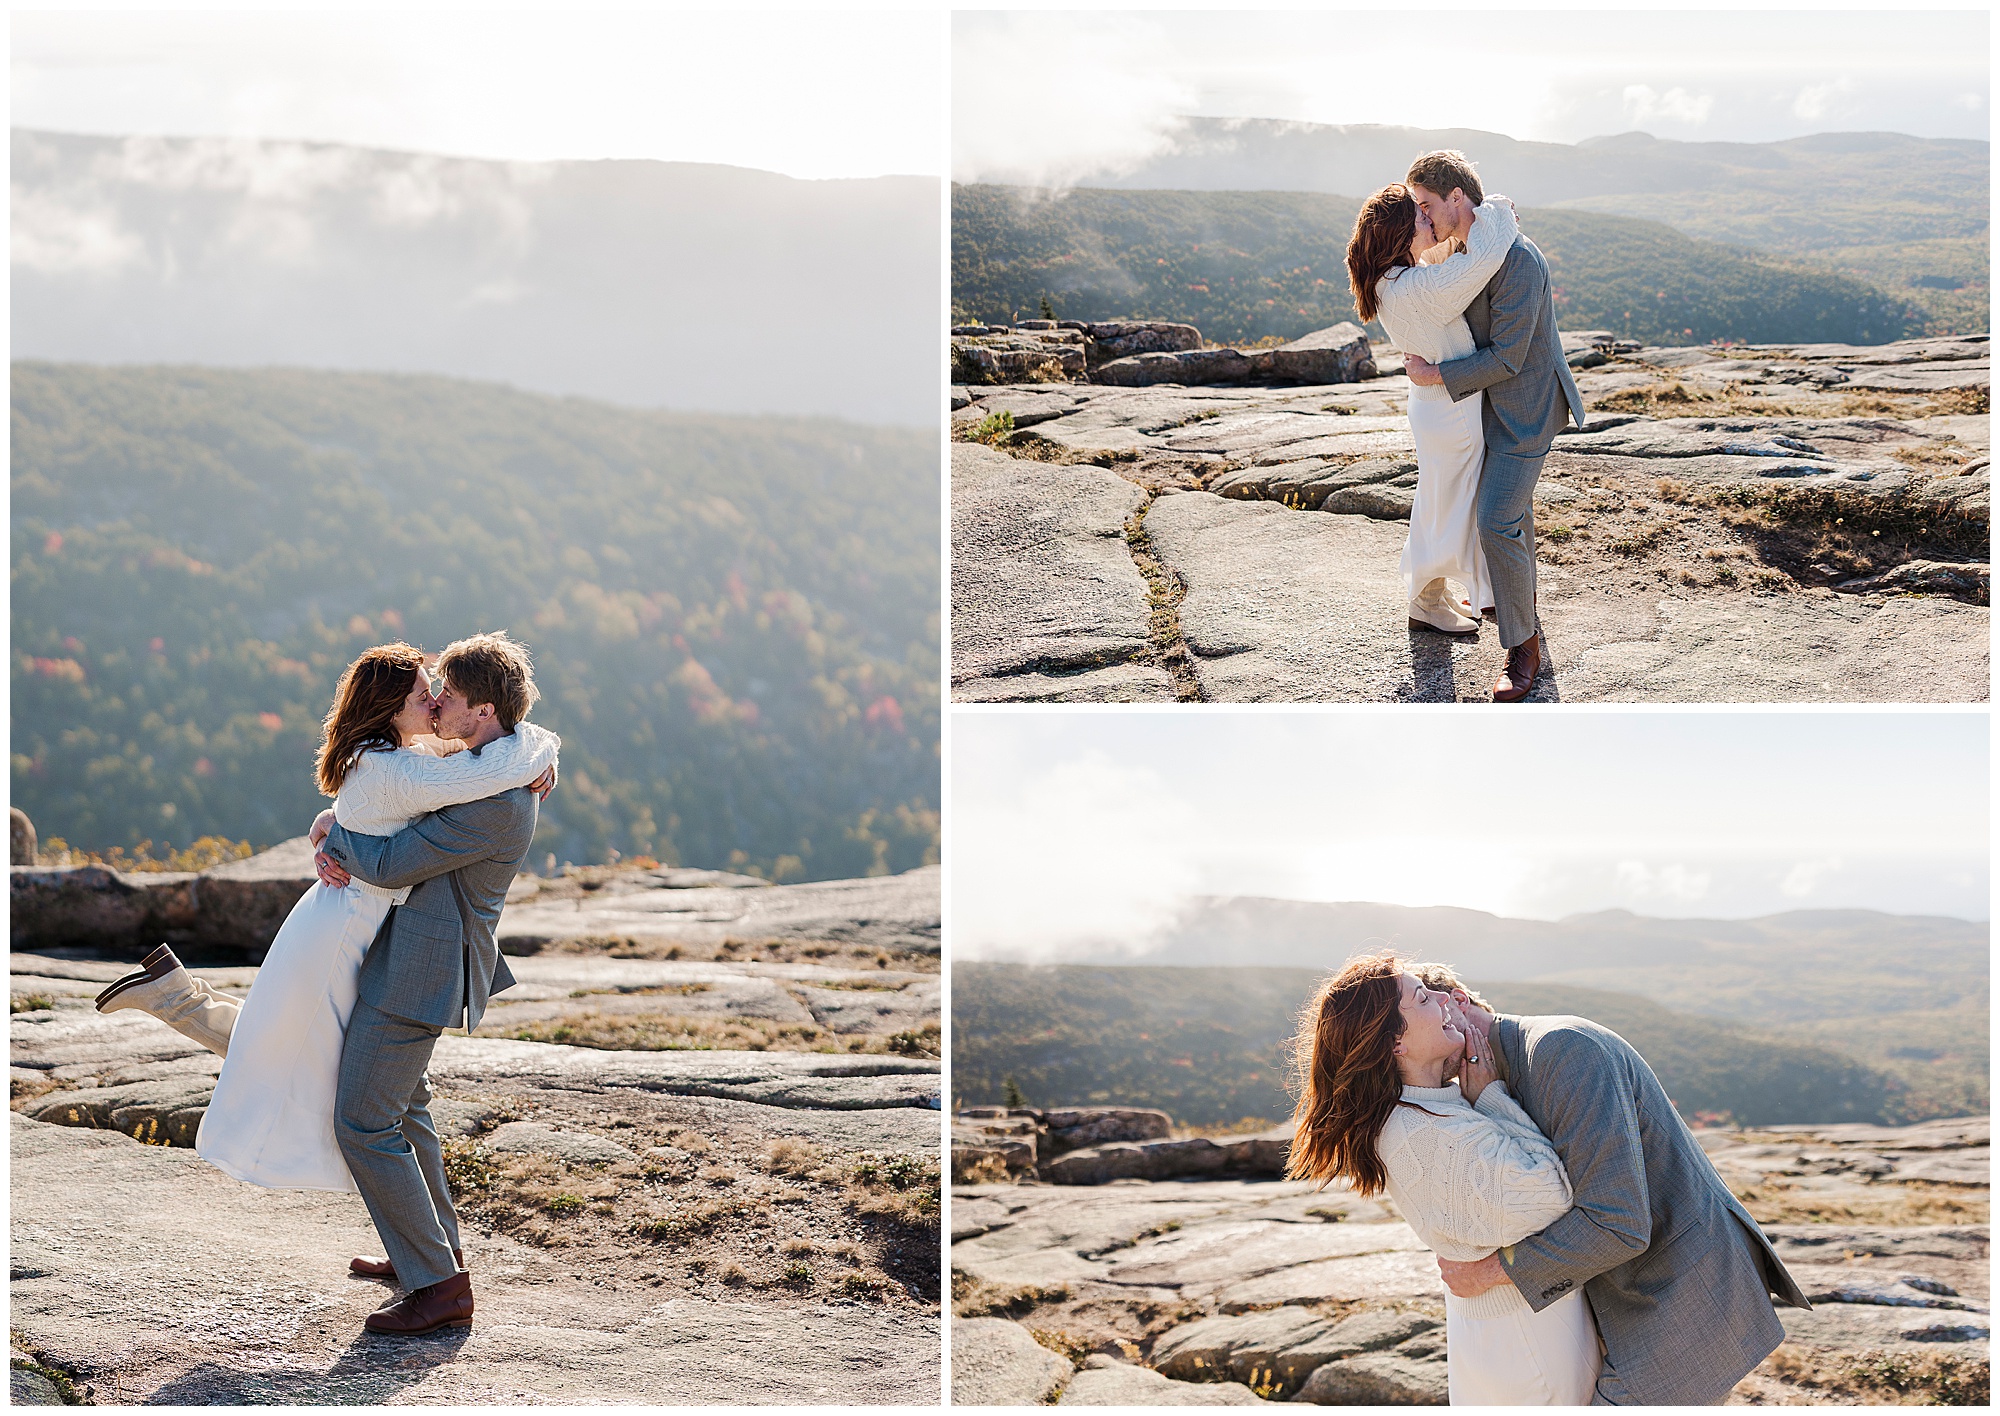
(1375, 1055)
(270, 1121)
(1419, 290)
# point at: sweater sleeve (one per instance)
(1442, 291)
(1479, 1186)
(418, 782)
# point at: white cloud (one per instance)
(1646, 107)
(1041, 99)
(55, 236)
(1083, 852)
(1805, 877)
(1673, 882)
(813, 94)
(1816, 101)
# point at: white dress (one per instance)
(270, 1121)
(1422, 308)
(1471, 1180)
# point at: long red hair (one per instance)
(1383, 230)
(1344, 1071)
(363, 717)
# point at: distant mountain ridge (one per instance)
(1257, 154)
(652, 284)
(1207, 1045)
(1252, 265)
(1819, 962)
(1903, 996)
(1908, 214)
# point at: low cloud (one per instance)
(1086, 853)
(1816, 101)
(1803, 879)
(1646, 107)
(1041, 100)
(1673, 882)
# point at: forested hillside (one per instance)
(1206, 1045)
(735, 620)
(1245, 266)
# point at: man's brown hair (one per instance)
(1444, 169)
(1441, 979)
(491, 668)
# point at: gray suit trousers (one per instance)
(383, 1122)
(1506, 510)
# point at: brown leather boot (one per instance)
(444, 1304)
(1524, 661)
(382, 1268)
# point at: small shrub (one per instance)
(974, 1298)
(798, 1275)
(698, 1218)
(563, 1205)
(994, 429)
(29, 1003)
(468, 1167)
(987, 1169)
(1062, 1344)
(917, 1042)
(856, 1284)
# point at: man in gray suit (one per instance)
(432, 966)
(1677, 1273)
(1530, 397)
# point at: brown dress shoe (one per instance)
(382, 1268)
(1524, 661)
(444, 1304)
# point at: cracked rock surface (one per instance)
(1781, 524)
(1287, 1293)
(686, 1223)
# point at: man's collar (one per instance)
(1505, 1037)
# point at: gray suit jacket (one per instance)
(1530, 394)
(434, 961)
(1676, 1271)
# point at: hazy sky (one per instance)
(809, 94)
(1067, 827)
(1048, 96)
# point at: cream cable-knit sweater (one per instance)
(1422, 308)
(1472, 1179)
(385, 791)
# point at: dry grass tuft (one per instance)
(667, 1032)
(1906, 1203)
(690, 1220)
(976, 1298)
(1062, 1343)
(905, 1190)
(786, 1156)
(1933, 454)
(1874, 1378)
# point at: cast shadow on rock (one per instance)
(1435, 671)
(371, 1371)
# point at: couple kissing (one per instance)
(1466, 297)
(1593, 1255)
(324, 1082)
